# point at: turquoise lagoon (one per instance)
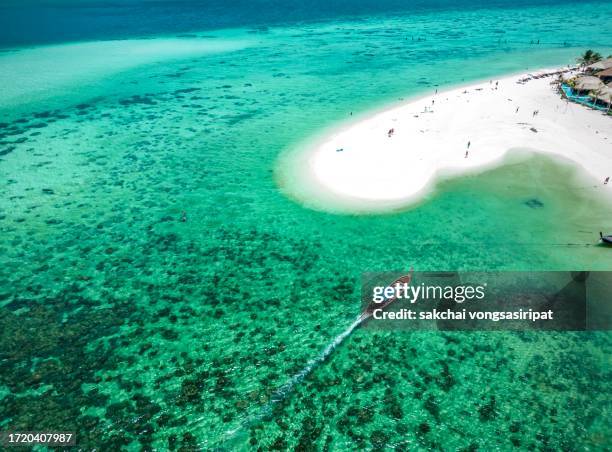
(141, 331)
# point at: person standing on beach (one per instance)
(607, 180)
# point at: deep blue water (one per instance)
(27, 22)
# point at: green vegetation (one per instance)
(589, 57)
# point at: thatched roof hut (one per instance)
(601, 65)
(588, 83)
(603, 95)
(605, 75)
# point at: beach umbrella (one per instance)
(588, 83)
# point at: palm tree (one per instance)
(589, 57)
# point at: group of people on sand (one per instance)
(469, 143)
(547, 74)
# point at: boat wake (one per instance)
(234, 436)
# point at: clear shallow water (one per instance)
(139, 330)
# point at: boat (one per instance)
(605, 239)
(369, 311)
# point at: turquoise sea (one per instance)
(141, 331)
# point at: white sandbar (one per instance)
(361, 168)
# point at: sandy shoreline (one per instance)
(360, 167)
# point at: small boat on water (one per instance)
(605, 239)
(369, 311)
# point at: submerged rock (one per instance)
(534, 203)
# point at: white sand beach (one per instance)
(363, 167)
